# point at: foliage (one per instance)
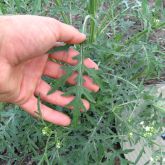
(119, 40)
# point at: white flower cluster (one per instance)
(149, 130)
(46, 131)
(58, 144)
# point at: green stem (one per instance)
(92, 12)
(80, 71)
(65, 18)
(45, 153)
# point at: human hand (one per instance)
(24, 41)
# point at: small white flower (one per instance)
(151, 159)
(46, 131)
(163, 159)
(156, 158)
(142, 123)
(157, 20)
(58, 145)
(147, 128)
(130, 134)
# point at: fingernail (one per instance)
(96, 88)
(83, 35)
(90, 64)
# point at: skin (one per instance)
(24, 41)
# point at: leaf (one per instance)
(101, 151)
(78, 105)
(60, 82)
(87, 94)
(140, 155)
(38, 107)
(93, 74)
(71, 91)
(128, 151)
(60, 48)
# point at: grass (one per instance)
(120, 41)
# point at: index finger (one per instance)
(69, 34)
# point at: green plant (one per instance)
(120, 41)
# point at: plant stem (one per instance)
(80, 82)
(92, 12)
(45, 152)
(65, 18)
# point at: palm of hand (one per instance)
(24, 62)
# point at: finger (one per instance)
(69, 34)
(88, 82)
(54, 70)
(47, 113)
(68, 57)
(57, 97)
(90, 64)
(41, 35)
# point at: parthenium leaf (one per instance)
(59, 48)
(77, 90)
(60, 82)
(88, 95)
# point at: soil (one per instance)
(159, 37)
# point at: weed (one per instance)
(119, 34)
